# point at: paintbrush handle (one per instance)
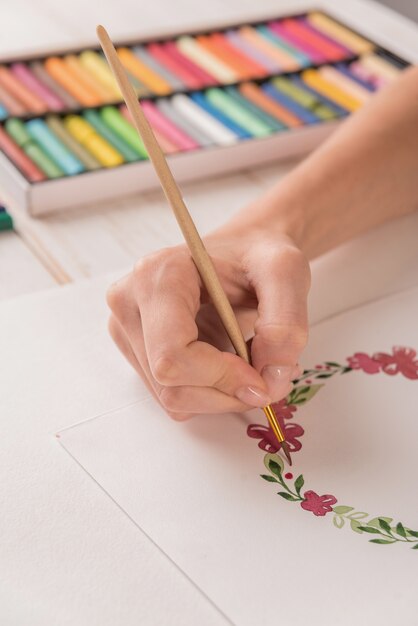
(195, 244)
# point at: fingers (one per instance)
(281, 279)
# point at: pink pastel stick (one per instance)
(298, 43)
(167, 146)
(201, 74)
(23, 73)
(167, 128)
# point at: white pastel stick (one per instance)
(209, 125)
(355, 90)
(203, 58)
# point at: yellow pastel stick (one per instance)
(206, 60)
(97, 66)
(87, 79)
(341, 34)
(85, 134)
(379, 66)
(328, 89)
(143, 73)
(345, 83)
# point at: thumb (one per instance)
(281, 280)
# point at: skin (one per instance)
(364, 175)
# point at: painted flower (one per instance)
(402, 360)
(319, 505)
(362, 361)
(268, 441)
(284, 410)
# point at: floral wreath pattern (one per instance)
(401, 361)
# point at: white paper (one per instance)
(195, 488)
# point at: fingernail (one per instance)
(278, 379)
(297, 372)
(253, 396)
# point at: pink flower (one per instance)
(361, 361)
(402, 360)
(268, 441)
(284, 410)
(319, 505)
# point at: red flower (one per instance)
(402, 360)
(361, 361)
(319, 505)
(268, 441)
(284, 410)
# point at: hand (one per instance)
(162, 322)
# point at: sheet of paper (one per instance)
(309, 553)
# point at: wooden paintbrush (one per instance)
(197, 249)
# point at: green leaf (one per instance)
(302, 398)
(382, 541)
(369, 529)
(384, 525)
(375, 521)
(401, 530)
(412, 533)
(346, 369)
(415, 547)
(332, 364)
(299, 482)
(274, 463)
(338, 521)
(342, 509)
(323, 376)
(356, 526)
(268, 478)
(358, 515)
(287, 496)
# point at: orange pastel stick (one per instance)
(142, 72)
(20, 92)
(219, 47)
(87, 79)
(284, 59)
(262, 100)
(62, 73)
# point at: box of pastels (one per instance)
(218, 100)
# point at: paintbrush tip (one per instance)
(285, 449)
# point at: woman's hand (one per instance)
(164, 325)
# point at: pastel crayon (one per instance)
(113, 118)
(325, 38)
(167, 146)
(53, 147)
(20, 158)
(88, 79)
(347, 71)
(201, 75)
(6, 221)
(253, 108)
(245, 47)
(380, 66)
(214, 66)
(241, 115)
(304, 98)
(64, 74)
(283, 59)
(20, 92)
(57, 127)
(155, 83)
(341, 97)
(83, 132)
(200, 117)
(340, 33)
(13, 106)
(331, 50)
(303, 113)
(313, 53)
(167, 128)
(16, 129)
(40, 72)
(162, 55)
(338, 110)
(184, 123)
(94, 63)
(219, 114)
(255, 94)
(301, 59)
(28, 78)
(174, 81)
(3, 112)
(241, 64)
(107, 133)
(366, 74)
(346, 84)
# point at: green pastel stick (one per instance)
(243, 117)
(115, 120)
(115, 140)
(268, 119)
(6, 221)
(59, 129)
(18, 132)
(304, 98)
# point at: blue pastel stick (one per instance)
(3, 113)
(255, 110)
(303, 114)
(207, 106)
(338, 110)
(56, 150)
(346, 71)
(268, 34)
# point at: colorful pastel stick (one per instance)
(260, 113)
(245, 67)
(338, 110)
(53, 147)
(13, 106)
(166, 145)
(96, 65)
(107, 133)
(204, 120)
(83, 132)
(57, 127)
(20, 158)
(282, 58)
(302, 113)
(162, 55)
(184, 123)
(155, 83)
(245, 47)
(346, 84)
(18, 132)
(381, 67)
(40, 72)
(88, 79)
(28, 78)
(6, 221)
(331, 50)
(3, 112)
(214, 66)
(160, 69)
(241, 115)
(20, 92)
(367, 75)
(204, 79)
(113, 118)
(165, 127)
(340, 33)
(347, 71)
(313, 53)
(304, 98)
(255, 94)
(64, 74)
(301, 59)
(326, 39)
(317, 82)
(220, 115)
